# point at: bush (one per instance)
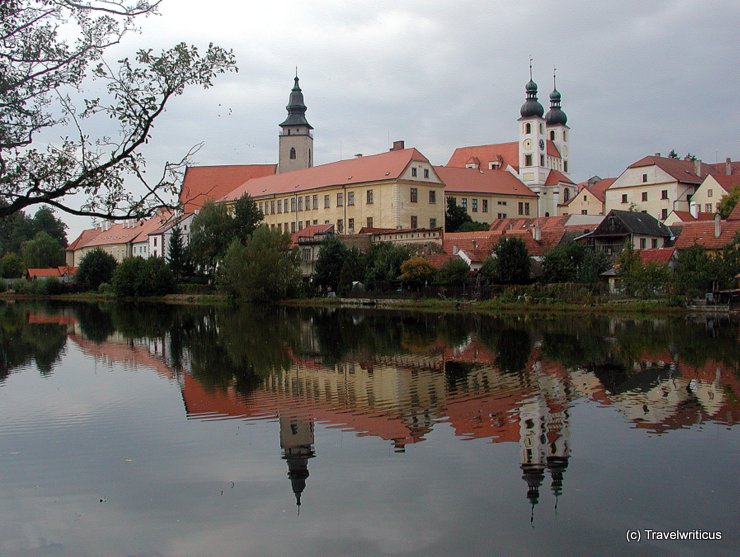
(96, 267)
(139, 277)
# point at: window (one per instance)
(414, 221)
(350, 198)
(485, 205)
(340, 200)
(664, 194)
(709, 193)
(300, 204)
(565, 135)
(280, 206)
(475, 205)
(292, 153)
(584, 212)
(643, 243)
(523, 207)
(340, 226)
(351, 226)
(413, 172)
(369, 195)
(292, 226)
(315, 201)
(501, 216)
(644, 196)
(316, 221)
(707, 207)
(261, 207)
(501, 203)
(327, 203)
(566, 194)
(527, 160)
(432, 197)
(663, 214)
(541, 127)
(300, 225)
(624, 198)
(527, 128)
(464, 203)
(414, 195)
(432, 223)
(542, 160)
(654, 243)
(644, 178)
(155, 242)
(552, 135)
(585, 198)
(308, 203)
(426, 173)
(369, 222)
(292, 205)
(565, 166)
(272, 207)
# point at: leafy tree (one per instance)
(728, 202)
(264, 269)
(48, 50)
(454, 272)
(45, 221)
(42, 251)
(353, 269)
(696, 272)
(384, 264)
(673, 154)
(455, 216)
(96, 267)
(329, 263)
(247, 217)
(210, 236)
(572, 262)
(473, 226)
(417, 272)
(11, 266)
(176, 253)
(128, 277)
(157, 279)
(509, 263)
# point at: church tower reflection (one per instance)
(296, 442)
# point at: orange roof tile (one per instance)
(598, 190)
(508, 153)
(555, 177)
(123, 233)
(310, 231)
(205, 183)
(373, 168)
(727, 182)
(680, 169)
(500, 182)
(702, 233)
(84, 237)
(720, 168)
(660, 256)
(42, 273)
(686, 216)
(735, 214)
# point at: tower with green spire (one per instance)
(296, 139)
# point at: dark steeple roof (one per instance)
(531, 107)
(555, 116)
(296, 109)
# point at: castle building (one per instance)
(540, 157)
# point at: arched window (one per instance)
(552, 135)
(527, 128)
(292, 153)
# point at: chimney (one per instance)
(697, 167)
(455, 250)
(358, 155)
(398, 146)
(717, 227)
(657, 154)
(537, 232)
(694, 209)
(728, 166)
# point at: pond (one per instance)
(188, 431)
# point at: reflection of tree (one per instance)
(22, 342)
(95, 322)
(514, 347)
(143, 320)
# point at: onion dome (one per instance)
(531, 107)
(555, 116)
(296, 108)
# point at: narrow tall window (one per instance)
(414, 221)
(644, 196)
(475, 205)
(624, 198)
(432, 197)
(350, 198)
(426, 173)
(292, 153)
(327, 202)
(369, 222)
(340, 199)
(369, 195)
(485, 205)
(414, 195)
(527, 128)
(413, 172)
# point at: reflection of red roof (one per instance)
(499, 182)
(373, 168)
(205, 183)
(35, 318)
(127, 354)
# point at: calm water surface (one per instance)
(172, 431)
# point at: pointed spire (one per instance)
(296, 108)
(555, 116)
(531, 106)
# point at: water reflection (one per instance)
(396, 376)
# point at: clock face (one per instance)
(527, 144)
(542, 144)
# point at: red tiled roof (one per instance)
(508, 153)
(735, 214)
(84, 237)
(680, 169)
(205, 183)
(702, 233)
(373, 168)
(598, 190)
(41, 273)
(552, 150)
(439, 259)
(310, 231)
(727, 182)
(555, 177)
(660, 256)
(484, 242)
(123, 233)
(720, 168)
(472, 180)
(686, 216)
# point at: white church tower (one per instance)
(296, 141)
(556, 124)
(532, 144)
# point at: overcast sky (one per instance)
(637, 77)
